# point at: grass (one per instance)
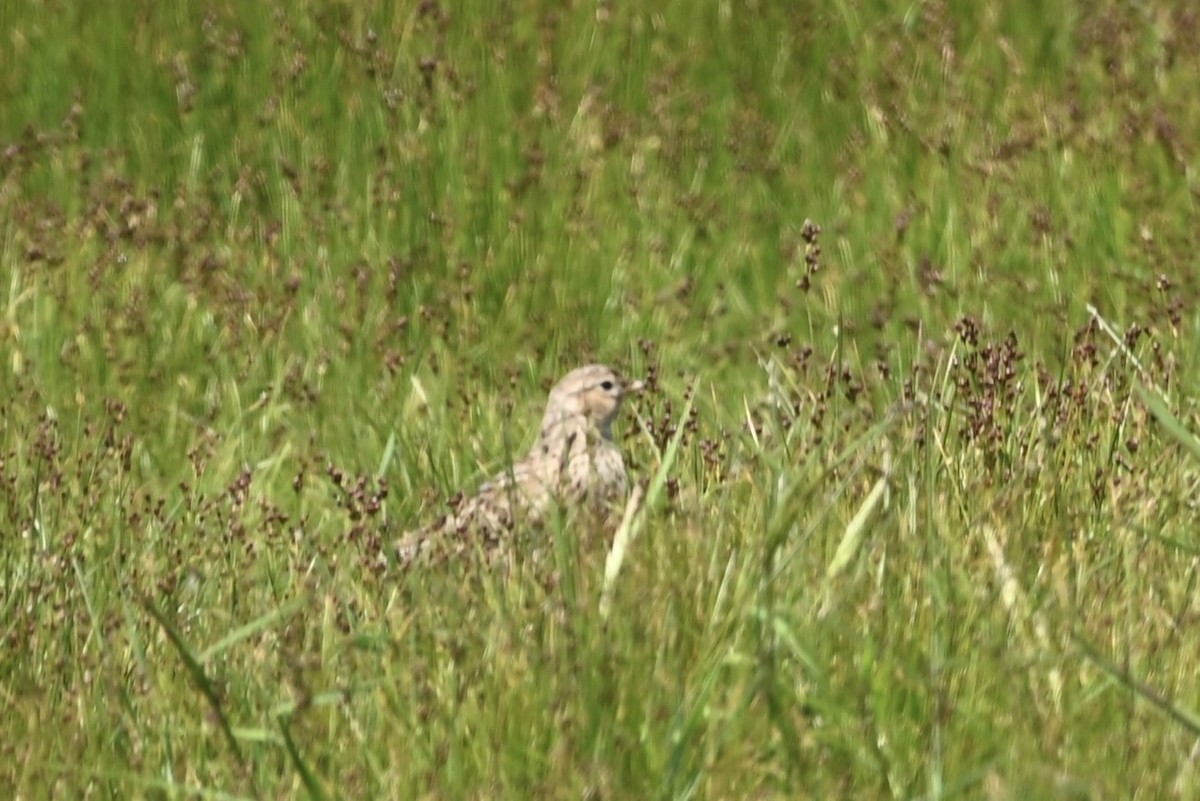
(278, 280)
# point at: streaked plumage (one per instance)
(574, 462)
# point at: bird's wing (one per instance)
(484, 517)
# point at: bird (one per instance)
(574, 463)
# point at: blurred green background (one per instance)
(281, 278)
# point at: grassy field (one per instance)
(914, 288)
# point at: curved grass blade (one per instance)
(631, 525)
(1184, 717)
(1169, 421)
(311, 783)
(198, 676)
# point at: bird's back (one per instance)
(574, 462)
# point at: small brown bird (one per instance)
(574, 462)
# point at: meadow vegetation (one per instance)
(912, 285)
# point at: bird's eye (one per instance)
(607, 386)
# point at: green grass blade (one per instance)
(635, 518)
(199, 678)
(1181, 715)
(255, 626)
(1176, 429)
(312, 785)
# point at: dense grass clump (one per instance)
(912, 287)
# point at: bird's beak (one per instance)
(634, 387)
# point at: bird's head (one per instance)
(593, 393)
